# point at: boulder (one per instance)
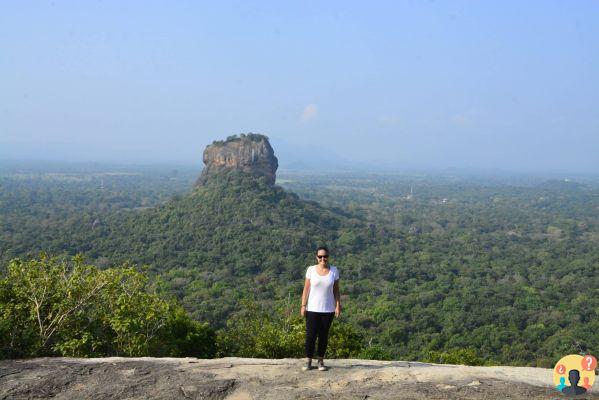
(251, 153)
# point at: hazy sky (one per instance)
(512, 85)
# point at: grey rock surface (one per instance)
(250, 154)
(245, 379)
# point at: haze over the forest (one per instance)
(509, 85)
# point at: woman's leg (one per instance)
(323, 333)
(311, 325)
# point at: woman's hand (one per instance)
(303, 311)
(338, 310)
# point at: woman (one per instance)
(320, 303)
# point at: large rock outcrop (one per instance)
(249, 379)
(249, 153)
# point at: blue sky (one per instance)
(510, 85)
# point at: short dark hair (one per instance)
(322, 248)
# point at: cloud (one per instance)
(310, 112)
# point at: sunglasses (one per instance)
(325, 257)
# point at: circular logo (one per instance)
(574, 374)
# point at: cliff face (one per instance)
(249, 153)
(253, 378)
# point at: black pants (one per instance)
(317, 325)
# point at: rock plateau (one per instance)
(251, 153)
(248, 379)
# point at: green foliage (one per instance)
(184, 337)
(279, 333)
(254, 137)
(254, 332)
(55, 307)
(344, 341)
(375, 352)
(465, 356)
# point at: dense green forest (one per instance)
(440, 268)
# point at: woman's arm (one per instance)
(305, 295)
(337, 298)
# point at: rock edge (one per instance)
(247, 378)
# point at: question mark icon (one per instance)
(589, 362)
(560, 369)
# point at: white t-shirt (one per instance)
(321, 297)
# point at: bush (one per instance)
(464, 356)
(344, 341)
(255, 332)
(54, 307)
(184, 337)
(375, 352)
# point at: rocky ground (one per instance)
(246, 378)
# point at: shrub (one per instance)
(55, 307)
(256, 332)
(465, 356)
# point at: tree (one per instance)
(50, 306)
